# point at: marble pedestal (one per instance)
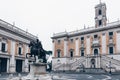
(37, 72)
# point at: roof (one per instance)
(13, 29)
(111, 25)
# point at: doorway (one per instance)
(18, 66)
(3, 65)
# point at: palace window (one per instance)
(95, 36)
(82, 40)
(59, 41)
(100, 22)
(71, 53)
(111, 50)
(3, 47)
(110, 35)
(20, 51)
(58, 53)
(71, 40)
(82, 52)
(95, 51)
(100, 12)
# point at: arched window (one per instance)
(71, 53)
(58, 53)
(82, 52)
(111, 50)
(100, 22)
(95, 51)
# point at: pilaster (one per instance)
(12, 59)
(77, 46)
(65, 47)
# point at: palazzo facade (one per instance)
(13, 48)
(93, 47)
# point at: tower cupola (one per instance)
(100, 15)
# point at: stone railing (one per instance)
(77, 63)
(107, 63)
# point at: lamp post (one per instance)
(110, 66)
(0, 66)
(63, 67)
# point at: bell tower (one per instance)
(100, 15)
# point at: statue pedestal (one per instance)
(37, 72)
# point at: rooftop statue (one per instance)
(36, 49)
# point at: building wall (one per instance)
(14, 38)
(103, 43)
(66, 45)
(103, 38)
(88, 45)
(118, 42)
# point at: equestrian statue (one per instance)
(36, 49)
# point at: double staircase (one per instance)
(108, 63)
(78, 63)
(72, 65)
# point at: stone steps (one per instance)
(94, 70)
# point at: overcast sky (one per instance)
(45, 17)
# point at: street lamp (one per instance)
(0, 66)
(63, 67)
(110, 66)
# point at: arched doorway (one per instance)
(95, 51)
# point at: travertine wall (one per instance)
(103, 38)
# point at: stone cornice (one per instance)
(20, 57)
(15, 30)
(109, 26)
(5, 55)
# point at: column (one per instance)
(8, 62)
(65, 47)
(77, 46)
(23, 66)
(26, 60)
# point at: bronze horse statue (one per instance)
(36, 49)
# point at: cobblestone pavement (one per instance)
(63, 76)
(85, 77)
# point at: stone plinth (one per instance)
(37, 72)
(38, 68)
